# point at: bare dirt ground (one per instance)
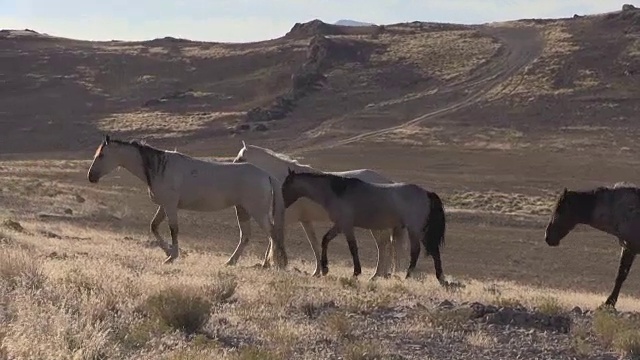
(495, 118)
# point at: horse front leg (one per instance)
(315, 246)
(330, 235)
(158, 218)
(353, 249)
(626, 260)
(172, 216)
(245, 232)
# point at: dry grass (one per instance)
(504, 203)
(88, 293)
(481, 339)
(620, 333)
(538, 78)
(446, 54)
(107, 298)
(169, 125)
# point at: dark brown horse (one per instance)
(614, 210)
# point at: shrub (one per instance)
(182, 308)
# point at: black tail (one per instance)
(433, 238)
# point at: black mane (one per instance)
(338, 184)
(154, 160)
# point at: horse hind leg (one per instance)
(265, 224)
(158, 218)
(397, 241)
(415, 252)
(172, 216)
(245, 232)
(315, 246)
(382, 243)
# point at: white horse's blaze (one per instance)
(178, 181)
(307, 212)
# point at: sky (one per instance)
(255, 20)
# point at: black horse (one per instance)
(614, 210)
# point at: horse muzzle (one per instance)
(551, 242)
(93, 178)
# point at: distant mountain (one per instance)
(352, 23)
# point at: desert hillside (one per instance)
(496, 118)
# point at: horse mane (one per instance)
(154, 160)
(278, 155)
(338, 184)
(623, 184)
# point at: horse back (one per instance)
(367, 175)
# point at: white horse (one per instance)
(178, 181)
(306, 211)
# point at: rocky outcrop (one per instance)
(322, 54)
(313, 28)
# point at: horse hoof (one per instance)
(230, 263)
(607, 307)
(169, 259)
(325, 270)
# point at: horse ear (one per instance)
(291, 172)
(564, 191)
(106, 139)
(244, 145)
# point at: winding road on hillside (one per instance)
(521, 46)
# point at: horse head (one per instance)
(563, 219)
(104, 160)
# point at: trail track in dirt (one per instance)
(520, 47)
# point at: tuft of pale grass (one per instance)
(481, 339)
(507, 302)
(621, 334)
(628, 342)
(549, 305)
(450, 320)
(580, 340)
(282, 338)
(181, 307)
(338, 325)
(223, 288)
(19, 269)
(363, 350)
(255, 353)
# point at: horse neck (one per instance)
(585, 207)
(129, 158)
(280, 167)
(317, 190)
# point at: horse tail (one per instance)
(277, 219)
(433, 238)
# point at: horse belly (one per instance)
(205, 201)
(376, 219)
